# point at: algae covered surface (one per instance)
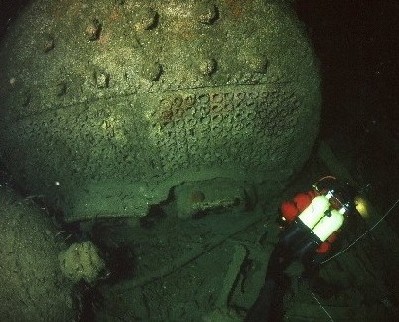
(32, 286)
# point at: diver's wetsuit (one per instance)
(314, 219)
(297, 242)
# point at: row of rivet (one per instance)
(148, 19)
(152, 72)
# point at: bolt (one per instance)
(152, 71)
(147, 18)
(93, 30)
(60, 89)
(101, 79)
(26, 98)
(13, 81)
(48, 43)
(258, 64)
(208, 66)
(207, 13)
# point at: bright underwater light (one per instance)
(362, 207)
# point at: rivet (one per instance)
(12, 81)
(207, 13)
(26, 98)
(208, 66)
(48, 43)
(152, 71)
(258, 64)
(93, 30)
(147, 18)
(101, 79)
(60, 89)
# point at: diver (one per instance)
(310, 224)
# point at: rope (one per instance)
(322, 307)
(362, 235)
